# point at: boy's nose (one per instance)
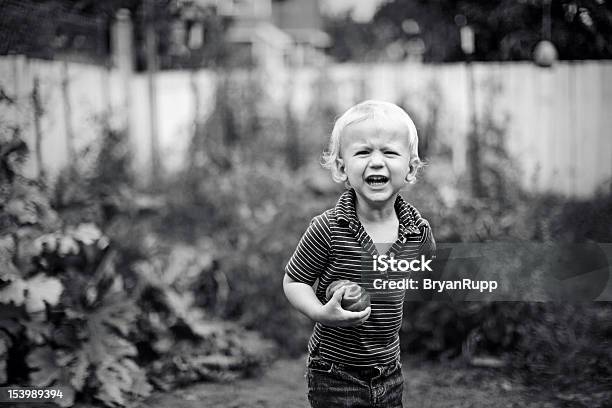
(376, 160)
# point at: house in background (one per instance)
(253, 38)
(273, 34)
(301, 19)
(177, 34)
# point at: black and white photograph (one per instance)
(306, 203)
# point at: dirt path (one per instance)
(427, 385)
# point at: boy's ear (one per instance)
(411, 176)
(338, 171)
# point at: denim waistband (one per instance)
(318, 363)
(370, 372)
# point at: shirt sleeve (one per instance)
(312, 253)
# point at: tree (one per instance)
(80, 29)
(504, 29)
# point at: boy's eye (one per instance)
(361, 152)
(391, 153)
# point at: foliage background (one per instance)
(505, 30)
(113, 290)
(110, 290)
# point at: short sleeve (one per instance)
(312, 253)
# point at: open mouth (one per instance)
(377, 181)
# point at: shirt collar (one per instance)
(346, 213)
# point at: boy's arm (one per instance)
(305, 266)
(303, 298)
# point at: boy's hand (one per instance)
(332, 313)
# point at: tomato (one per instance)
(355, 297)
(335, 285)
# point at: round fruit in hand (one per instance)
(355, 297)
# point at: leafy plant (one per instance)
(74, 316)
(184, 344)
(85, 310)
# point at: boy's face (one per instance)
(376, 160)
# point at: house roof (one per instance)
(252, 31)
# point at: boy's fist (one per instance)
(355, 298)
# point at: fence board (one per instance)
(605, 129)
(558, 128)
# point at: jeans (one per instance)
(333, 385)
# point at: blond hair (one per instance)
(384, 113)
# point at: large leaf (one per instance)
(42, 289)
(44, 365)
(50, 369)
(119, 381)
(78, 370)
(182, 305)
(117, 312)
(77, 365)
(114, 382)
(103, 343)
(140, 386)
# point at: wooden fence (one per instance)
(558, 121)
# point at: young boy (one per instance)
(354, 356)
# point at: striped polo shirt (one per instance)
(336, 246)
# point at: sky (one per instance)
(363, 10)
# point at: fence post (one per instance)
(122, 44)
(572, 158)
(473, 139)
(152, 65)
(122, 57)
(38, 112)
(105, 82)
